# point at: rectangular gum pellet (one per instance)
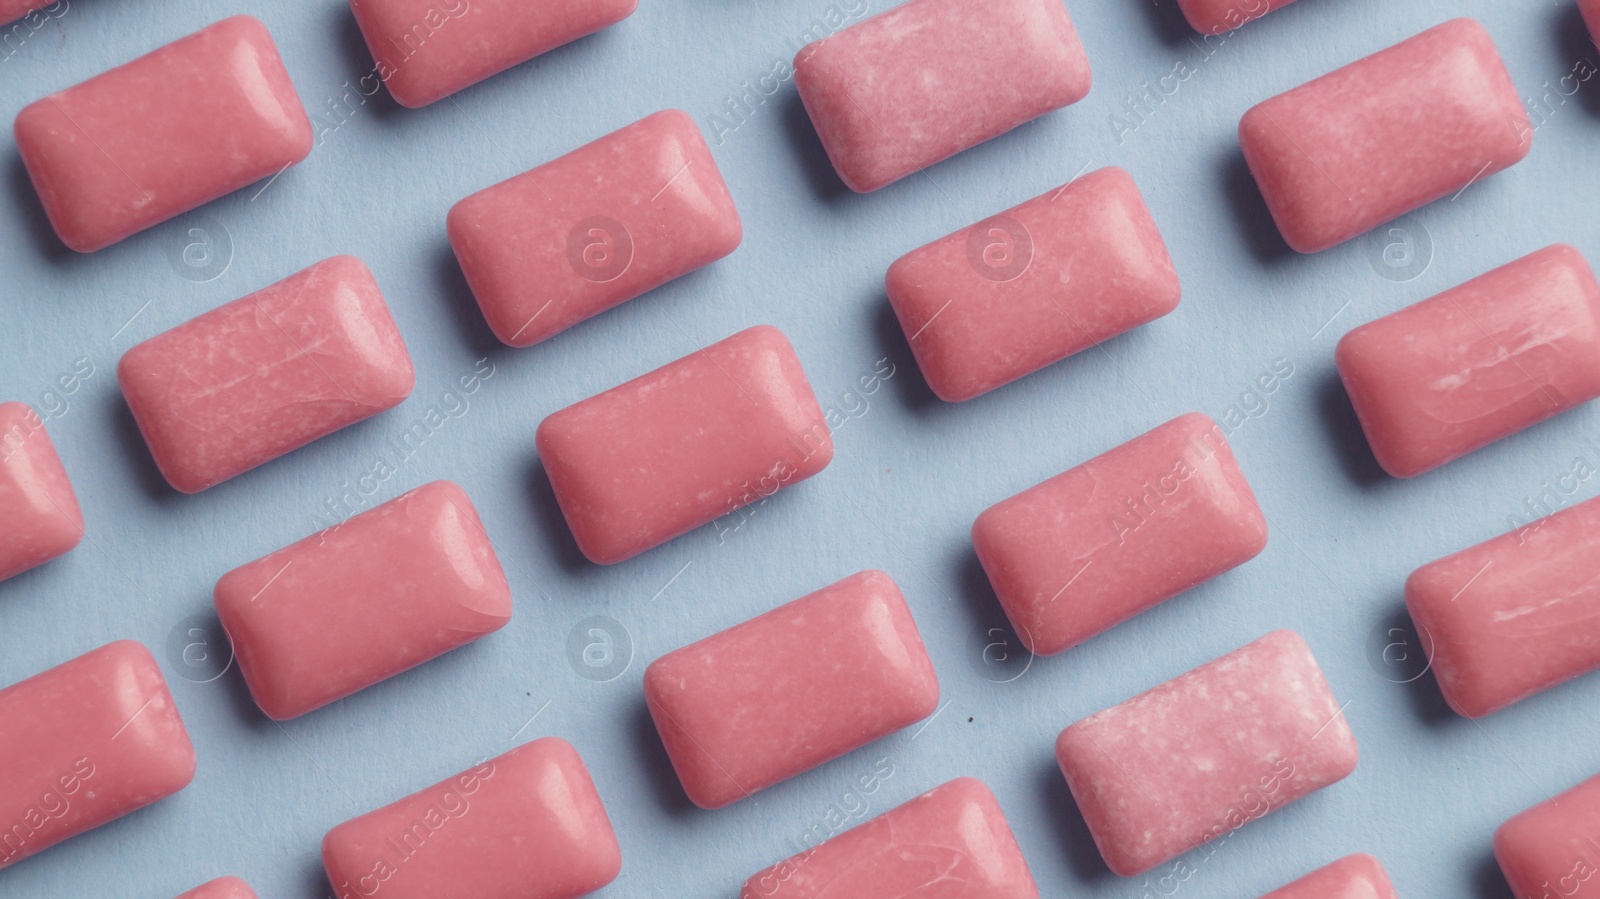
(1032, 285)
(790, 689)
(1108, 539)
(1514, 615)
(671, 450)
(920, 83)
(221, 888)
(426, 50)
(1479, 362)
(1218, 16)
(266, 374)
(1358, 876)
(952, 841)
(86, 742)
(528, 824)
(174, 129)
(1550, 850)
(364, 600)
(37, 501)
(1385, 135)
(613, 219)
(1206, 752)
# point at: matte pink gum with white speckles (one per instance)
(603, 224)
(786, 691)
(1514, 615)
(176, 128)
(1032, 285)
(951, 842)
(1356, 876)
(37, 502)
(1218, 16)
(1420, 121)
(1206, 752)
(1130, 528)
(1479, 362)
(86, 742)
(676, 448)
(364, 600)
(266, 374)
(920, 83)
(1549, 850)
(221, 888)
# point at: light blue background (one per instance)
(910, 474)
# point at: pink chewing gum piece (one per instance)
(674, 449)
(1365, 144)
(176, 128)
(1479, 362)
(426, 50)
(1206, 752)
(266, 374)
(524, 825)
(1032, 285)
(1589, 9)
(37, 503)
(85, 743)
(1218, 16)
(623, 215)
(922, 82)
(1124, 531)
(1549, 850)
(1356, 876)
(221, 888)
(37, 12)
(951, 842)
(364, 600)
(790, 689)
(1514, 615)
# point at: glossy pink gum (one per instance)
(426, 50)
(1356, 876)
(603, 224)
(951, 842)
(37, 502)
(1549, 850)
(1479, 362)
(1365, 144)
(1218, 16)
(920, 83)
(1206, 752)
(87, 742)
(674, 449)
(1032, 285)
(176, 128)
(524, 825)
(221, 888)
(791, 689)
(266, 374)
(364, 600)
(1514, 615)
(1124, 531)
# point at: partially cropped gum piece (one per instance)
(364, 600)
(1479, 362)
(37, 13)
(674, 449)
(1384, 135)
(1130, 528)
(426, 50)
(1589, 9)
(1356, 876)
(85, 743)
(1514, 615)
(1206, 752)
(528, 824)
(37, 502)
(951, 842)
(788, 690)
(1032, 285)
(1550, 849)
(613, 219)
(221, 888)
(176, 128)
(266, 374)
(920, 83)
(1218, 16)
